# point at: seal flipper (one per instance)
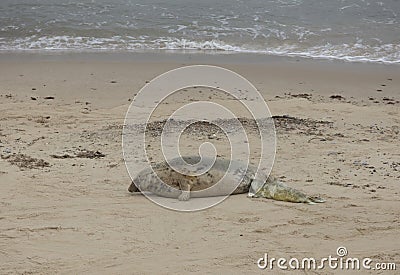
(315, 199)
(185, 187)
(255, 186)
(133, 188)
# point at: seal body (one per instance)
(225, 177)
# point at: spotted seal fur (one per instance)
(185, 186)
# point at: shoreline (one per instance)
(182, 55)
(197, 52)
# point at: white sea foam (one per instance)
(358, 51)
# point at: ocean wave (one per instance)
(356, 52)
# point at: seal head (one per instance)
(141, 181)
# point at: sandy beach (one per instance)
(64, 202)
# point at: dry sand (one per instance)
(64, 202)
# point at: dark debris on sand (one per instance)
(338, 97)
(81, 154)
(303, 125)
(25, 161)
(90, 154)
(282, 123)
(301, 95)
(62, 156)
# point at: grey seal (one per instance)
(164, 181)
